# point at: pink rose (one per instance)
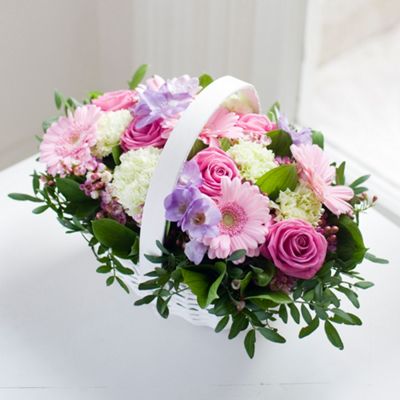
(214, 164)
(295, 248)
(118, 100)
(154, 134)
(256, 125)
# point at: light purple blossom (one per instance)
(201, 219)
(302, 136)
(195, 251)
(177, 203)
(167, 101)
(190, 174)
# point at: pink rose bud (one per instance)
(117, 100)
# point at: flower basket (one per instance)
(205, 207)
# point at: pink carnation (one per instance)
(221, 125)
(314, 168)
(295, 248)
(214, 164)
(117, 100)
(154, 134)
(256, 126)
(66, 146)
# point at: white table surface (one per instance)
(64, 335)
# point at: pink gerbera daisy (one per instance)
(245, 219)
(221, 125)
(66, 146)
(315, 170)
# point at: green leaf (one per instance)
(333, 335)
(162, 307)
(283, 313)
(24, 197)
(306, 314)
(239, 324)
(350, 295)
(116, 154)
(104, 269)
(114, 235)
(40, 209)
(340, 180)
(71, 190)
(149, 285)
(58, 99)
(273, 112)
(276, 297)
(310, 328)
(263, 276)
(145, 300)
(196, 148)
(343, 316)
(162, 248)
(48, 122)
(280, 142)
(318, 138)
(271, 335)
(225, 144)
(222, 324)
(278, 179)
(359, 181)
(350, 247)
(360, 189)
(294, 312)
(376, 259)
(202, 285)
(35, 182)
(249, 342)
(245, 282)
(110, 280)
(205, 80)
(122, 284)
(237, 255)
(364, 284)
(138, 76)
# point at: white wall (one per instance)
(78, 46)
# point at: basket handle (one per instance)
(175, 154)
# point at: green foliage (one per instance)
(318, 138)
(375, 259)
(205, 287)
(280, 142)
(333, 335)
(205, 80)
(138, 76)
(58, 99)
(278, 179)
(197, 147)
(249, 342)
(273, 112)
(114, 235)
(351, 249)
(340, 180)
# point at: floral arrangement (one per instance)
(261, 225)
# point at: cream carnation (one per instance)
(253, 159)
(132, 179)
(110, 128)
(299, 204)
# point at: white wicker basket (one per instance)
(164, 180)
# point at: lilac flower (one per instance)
(302, 136)
(179, 201)
(190, 174)
(195, 251)
(201, 219)
(167, 101)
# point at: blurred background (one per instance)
(333, 64)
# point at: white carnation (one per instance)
(300, 203)
(253, 159)
(110, 128)
(132, 179)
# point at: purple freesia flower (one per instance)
(190, 174)
(195, 251)
(201, 219)
(302, 136)
(167, 101)
(177, 203)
